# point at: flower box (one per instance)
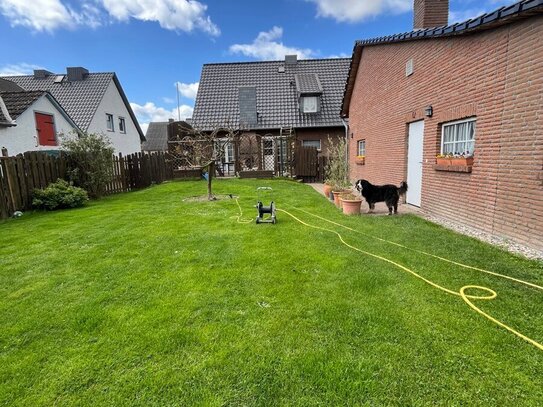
(360, 160)
(462, 161)
(443, 161)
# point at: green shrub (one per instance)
(59, 195)
(89, 162)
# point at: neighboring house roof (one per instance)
(278, 86)
(156, 137)
(16, 103)
(502, 16)
(8, 86)
(79, 98)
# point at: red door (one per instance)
(45, 126)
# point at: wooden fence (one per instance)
(20, 175)
(309, 165)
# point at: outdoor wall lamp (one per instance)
(429, 111)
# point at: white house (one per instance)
(95, 101)
(32, 120)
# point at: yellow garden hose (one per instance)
(468, 298)
(461, 293)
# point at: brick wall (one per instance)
(496, 76)
(430, 13)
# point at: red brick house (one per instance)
(475, 86)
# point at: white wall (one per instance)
(112, 103)
(24, 137)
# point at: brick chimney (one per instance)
(430, 13)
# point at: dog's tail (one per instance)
(403, 188)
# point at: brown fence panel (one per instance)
(20, 175)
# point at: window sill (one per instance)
(453, 168)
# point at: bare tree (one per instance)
(198, 148)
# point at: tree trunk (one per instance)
(210, 174)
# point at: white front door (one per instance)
(414, 162)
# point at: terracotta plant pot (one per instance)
(327, 190)
(351, 206)
(443, 161)
(336, 198)
(463, 161)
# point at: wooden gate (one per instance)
(309, 165)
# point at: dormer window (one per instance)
(309, 104)
(309, 91)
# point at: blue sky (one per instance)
(153, 44)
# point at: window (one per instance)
(458, 137)
(312, 143)
(109, 121)
(122, 125)
(309, 104)
(361, 150)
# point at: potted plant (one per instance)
(337, 169)
(443, 159)
(463, 159)
(360, 160)
(327, 188)
(351, 203)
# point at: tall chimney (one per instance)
(430, 13)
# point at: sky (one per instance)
(153, 45)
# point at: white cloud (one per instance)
(184, 15)
(359, 10)
(149, 112)
(188, 90)
(39, 15)
(18, 69)
(49, 15)
(267, 47)
(168, 100)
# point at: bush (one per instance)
(90, 162)
(59, 195)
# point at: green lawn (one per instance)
(146, 299)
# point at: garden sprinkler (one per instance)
(265, 210)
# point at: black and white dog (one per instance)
(390, 194)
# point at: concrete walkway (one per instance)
(513, 247)
(380, 207)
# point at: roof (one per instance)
(156, 137)
(277, 93)
(502, 16)
(16, 103)
(80, 99)
(8, 86)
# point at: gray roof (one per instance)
(522, 8)
(80, 99)
(8, 86)
(156, 136)
(17, 102)
(503, 15)
(277, 93)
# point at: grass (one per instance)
(146, 299)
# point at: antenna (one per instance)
(177, 89)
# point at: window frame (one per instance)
(314, 140)
(454, 123)
(358, 142)
(108, 116)
(122, 128)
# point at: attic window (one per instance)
(309, 104)
(59, 78)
